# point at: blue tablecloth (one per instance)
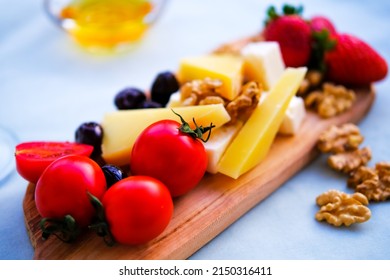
(48, 86)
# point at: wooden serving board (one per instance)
(211, 207)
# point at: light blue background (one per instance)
(48, 86)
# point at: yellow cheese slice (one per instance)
(226, 68)
(121, 128)
(255, 138)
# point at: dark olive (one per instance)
(129, 98)
(113, 174)
(163, 86)
(90, 133)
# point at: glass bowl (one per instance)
(104, 24)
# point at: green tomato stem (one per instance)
(65, 229)
(100, 226)
(196, 133)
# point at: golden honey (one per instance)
(106, 23)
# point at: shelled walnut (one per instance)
(193, 92)
(338, 208)
(363, 174)
(374, 183)
(348, 162)
(207, 91)
(383, 169)
(331, 100)
(339, 139)
(245, 102)
(312, 80)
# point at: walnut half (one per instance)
(348, 162)
(332, 100)
(338, 208)
(207, 91)
(245, 102)
(312, 80)
(374, 183)
(191, 93)
(339, 139)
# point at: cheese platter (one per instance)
(272, 137)
(211, 207)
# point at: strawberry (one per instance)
(318, 23)
(292, 33)
(354, 62)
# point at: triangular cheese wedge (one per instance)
(255, 138)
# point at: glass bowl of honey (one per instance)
(104, 25)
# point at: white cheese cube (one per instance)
(263, 63)
(218, 142)
(294, 117)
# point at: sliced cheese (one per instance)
(255, 138)
(292, 120)
(121, 128)
(226, 68)
(218, 142)
(294, 117)
(263, 62)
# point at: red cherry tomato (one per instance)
(175, 158)
(33, 157)
(62, 189)
(137, 209)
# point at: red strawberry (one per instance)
(318, 23)
(292, 33)
(354, 62)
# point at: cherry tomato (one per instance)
(33, 157)
(62, 189)
(166, 153)
(137, 209)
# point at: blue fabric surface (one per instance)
(48, 86)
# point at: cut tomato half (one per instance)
(32, 158)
